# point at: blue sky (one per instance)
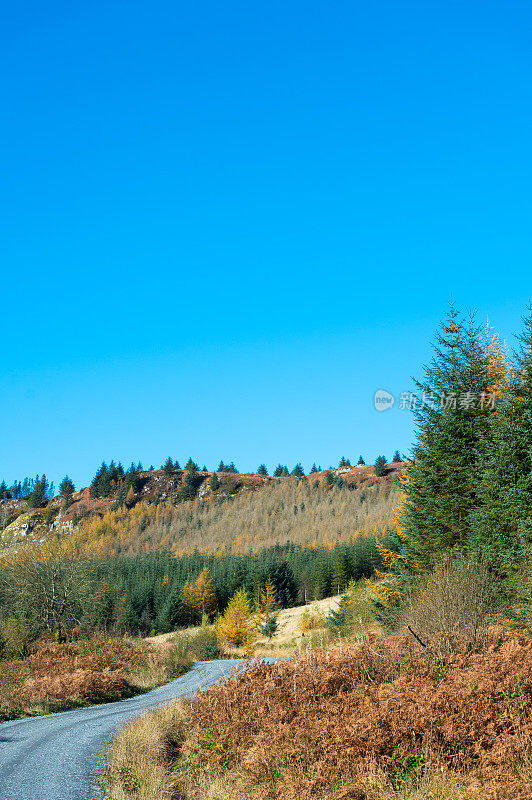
(224, 226)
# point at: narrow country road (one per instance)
(55, 757)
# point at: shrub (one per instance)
(451, 610)
(15, 637)
(202, 644)
(311, 619)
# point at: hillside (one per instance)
(245, 513)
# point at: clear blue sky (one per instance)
(224, 225)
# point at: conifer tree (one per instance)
(168, 467)
(191, 481)
(205, 594)
(313, 469)
(237, 626)
(380, 466)
(262, 470)
(66, 490)
(38, 496)
(298, 471)
(396, 458)
(214, 482)
(501, 523)
(361, 461)
(440, 489)
(268, 600)
(340, 573)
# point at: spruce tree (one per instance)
(396, 458)
(380, 466)
(298, 471)
(441, 487)
(361, 461)
(38, 496)
(340, 573)
(313, 469)
(168, 467)
(262, 470)
(66, 490)
(501, 523)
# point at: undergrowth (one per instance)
(380, 720)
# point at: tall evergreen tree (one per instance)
(340, 573)
(168, 466)
(66, 490)
(501, 523)
(262, 470)
(298, 471)
(361, 461)
(441, 486)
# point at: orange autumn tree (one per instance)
(199, 597)
(237, 626)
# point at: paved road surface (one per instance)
(54, 757)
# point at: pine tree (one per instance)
(191, 481)
(361, 461)
(270, 626)
(214, 482)
(440, 487)
(313, 469)
(38, 496)
(262, 470)
(502, 522)
(278, 471)
(284, 472)
(282, 579)
(168, 467)
(396, 458)
(298, 471)
(380, 466)
(66, 490)
(340, 573)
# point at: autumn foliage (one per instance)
(57, 676)
(313, 727)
